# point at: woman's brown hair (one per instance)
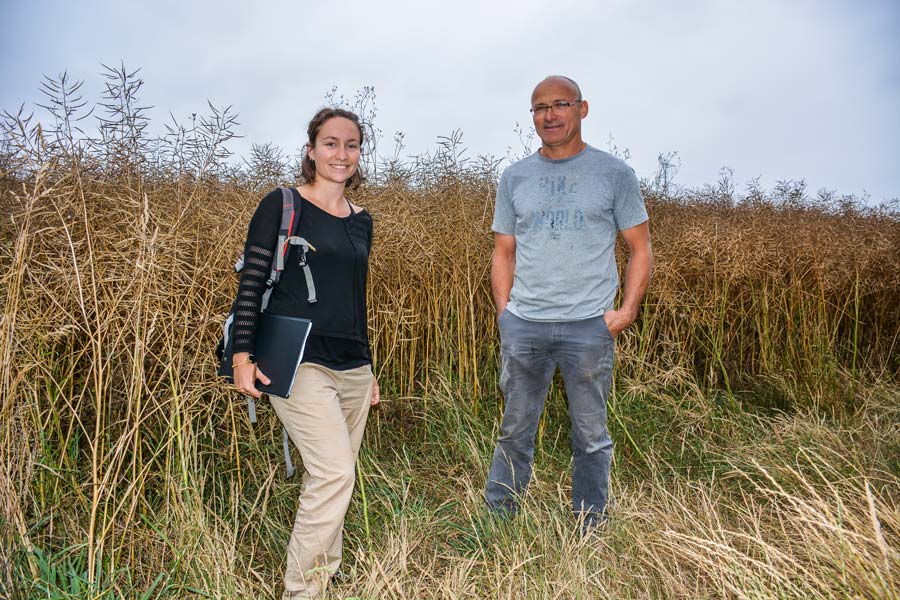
(308, 166)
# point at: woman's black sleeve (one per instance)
(262, 236)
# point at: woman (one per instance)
(334, 388)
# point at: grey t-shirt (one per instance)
(565, 215)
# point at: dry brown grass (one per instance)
(123, 459)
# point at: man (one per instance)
(554, 281)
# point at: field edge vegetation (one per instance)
(755, 407)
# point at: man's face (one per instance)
(557, 127)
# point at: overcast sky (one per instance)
(772, 89)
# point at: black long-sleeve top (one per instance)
(339, 336)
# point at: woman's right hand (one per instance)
(246, 374)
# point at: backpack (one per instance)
(291, 208)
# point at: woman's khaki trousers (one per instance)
(325, 418)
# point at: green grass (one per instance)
(710, 501)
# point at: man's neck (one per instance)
(567, 151)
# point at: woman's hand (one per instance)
(376, 393)
(246, 374)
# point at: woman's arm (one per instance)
(259, 249)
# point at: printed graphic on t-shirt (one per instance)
(553, 215)
(557, 186)
(557, 220)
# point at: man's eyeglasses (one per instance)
(560, 106)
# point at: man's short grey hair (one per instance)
(570, 80)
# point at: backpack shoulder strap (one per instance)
(298, 209)
(290, 220)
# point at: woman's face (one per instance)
(336, 151)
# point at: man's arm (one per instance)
(503, 265)
(637, 276)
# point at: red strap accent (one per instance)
(290, 232)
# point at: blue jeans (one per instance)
(530, 352)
